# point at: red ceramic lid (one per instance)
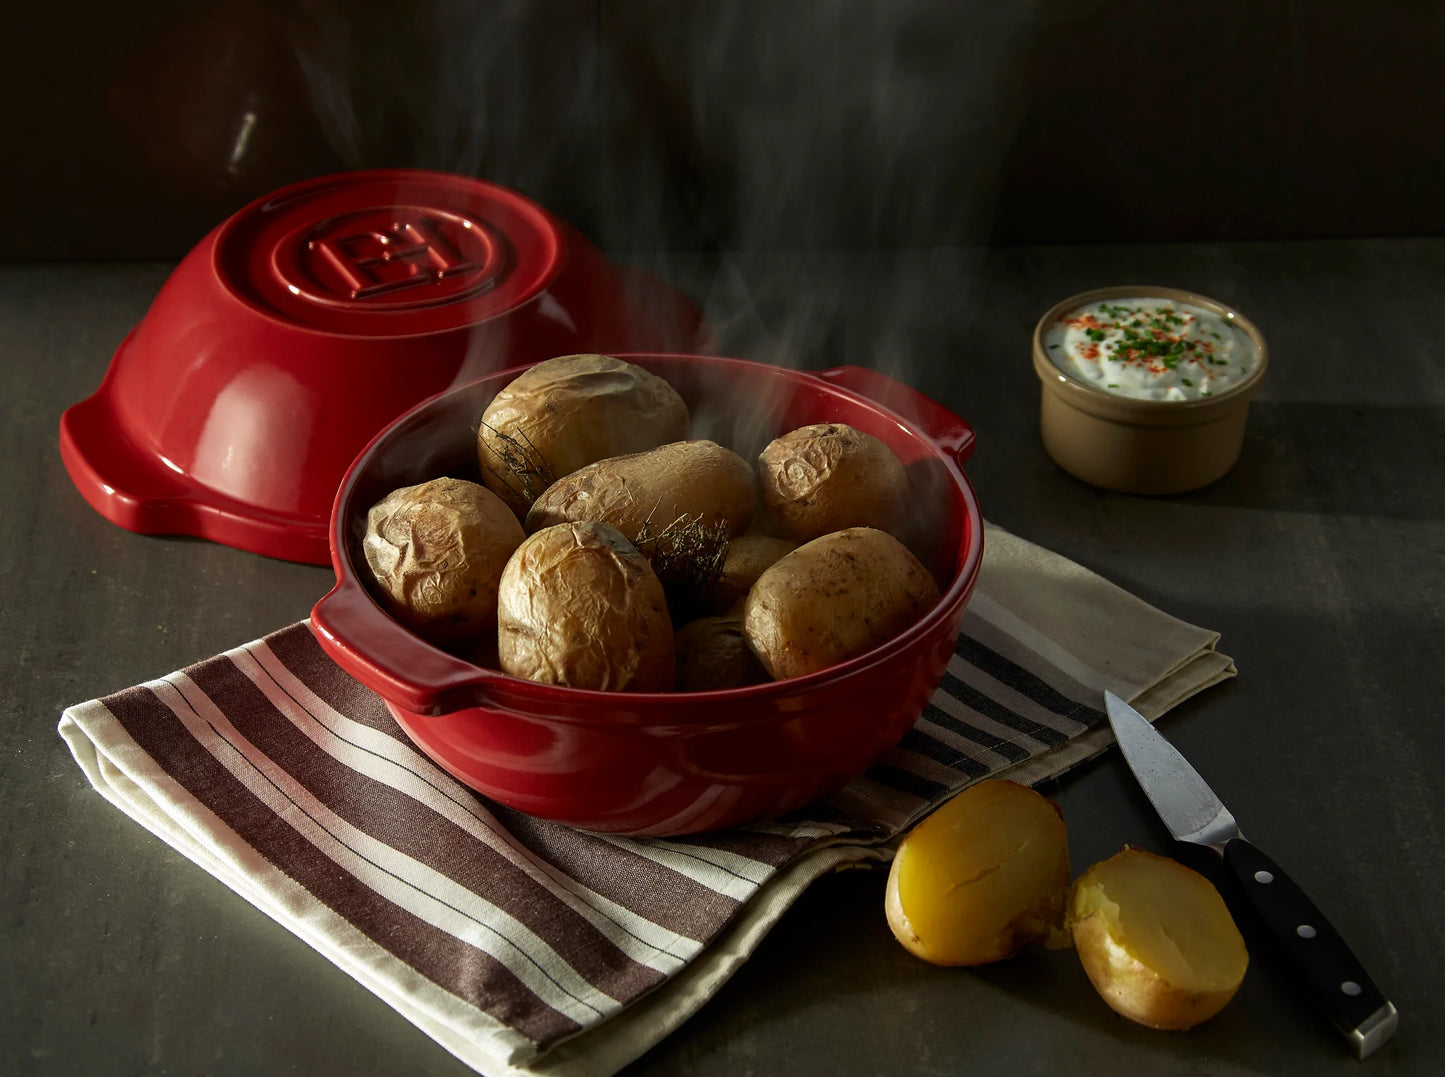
(311, 318)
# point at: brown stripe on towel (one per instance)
(298, 651)
(464, 970)
(664, 896)
(421, 833)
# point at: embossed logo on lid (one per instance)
(406, 256)
(390, 253)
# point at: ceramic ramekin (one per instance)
(1142, 446)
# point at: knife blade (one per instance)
(1308, 943)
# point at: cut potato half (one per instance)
(1156, 940)
(984, 875)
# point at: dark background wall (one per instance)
(128, 130)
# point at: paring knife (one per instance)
(1305, 938)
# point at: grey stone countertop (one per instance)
(1319, 558)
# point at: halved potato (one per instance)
(1156, 939)
(984, 875)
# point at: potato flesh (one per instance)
(984, 875)
(1156, 939)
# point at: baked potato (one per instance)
(748, 557)
(436, 552)
(567, 412)
(830, 476)
(712, 654)
(579, 606)
(833, 599)
(642, 494)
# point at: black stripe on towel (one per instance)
(947, 754)
(1008, 672)
(989, 708)
(991, 741)
(905, 781)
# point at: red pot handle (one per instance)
(946, 429)
(367, 643)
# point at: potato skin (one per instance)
(748, 557)
(833, 599)
(567, 412)
(652, 489)
(830, 476)
(436, 551)
(984, 875)
(712, 654)
(579, 606)
(1185, 906)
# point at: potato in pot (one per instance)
(712, 654)
(833, 599)
(567, 412)
(830, 476)
(748, 557)
(579, 606)
(436, 552)
(645, 493)
(680, 504)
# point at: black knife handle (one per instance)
(1314, 948)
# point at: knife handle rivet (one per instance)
(1265, 877)
(1351, 988)
(1305, 931)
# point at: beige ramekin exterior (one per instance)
(1142, 446)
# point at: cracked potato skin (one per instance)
(570, 411)
(436, 552)
(829, 476)
(833, 599)
(682, 480)
(579, 606)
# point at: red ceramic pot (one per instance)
(665, 763)
(314, 316)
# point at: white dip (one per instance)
(1150, 349)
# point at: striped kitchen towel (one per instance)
(525, 947)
